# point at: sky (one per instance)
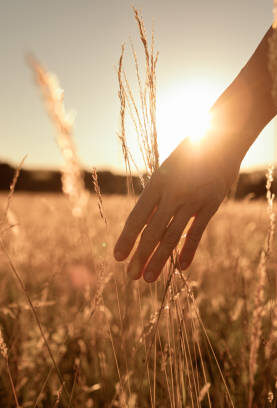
(202, 47)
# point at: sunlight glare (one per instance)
(183, 112)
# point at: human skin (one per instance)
(194, 180)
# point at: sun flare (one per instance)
(183, 112)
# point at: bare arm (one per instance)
(246, 106)
(194, 180)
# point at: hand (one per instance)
(191, 183)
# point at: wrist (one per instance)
(246, 106)
(233, 128)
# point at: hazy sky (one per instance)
(202, 44)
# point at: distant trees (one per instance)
(249, 184)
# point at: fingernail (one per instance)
(149, 276)
(118, 256)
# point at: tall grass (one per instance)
(72, 177)
(143, 111)
(100, 326)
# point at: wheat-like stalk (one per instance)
(142, 112)
(3, 347)
(4, 353)
(9, 220)
(12, 185)
(59, 394)
(72, 174)
(259, 295)
(98, 194)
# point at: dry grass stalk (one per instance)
(151, 59)
(13, 184)
(203, 328)
(145, 350)
(4, 353)
(59, 394)
(9, 220)
(43, 387)
(271, 344)
(270, 397)
(98, 194)
(122, 381)
(142, 113)
(203, 391)
(127, 155)
(102, 280)
(259, 296)
(72, 175)
(3, 347)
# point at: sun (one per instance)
(183, 112)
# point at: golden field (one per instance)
(210, 341)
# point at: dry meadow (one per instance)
(119, 343)
(76, 332)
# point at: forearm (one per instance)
(246, 106)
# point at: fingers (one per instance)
(193, 237)
(150, 238)
(136, 220)
(167, 244)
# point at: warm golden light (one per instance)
(183, 112)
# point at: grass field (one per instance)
(76, 332)
(102, 328)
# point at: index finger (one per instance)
(136, 220)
